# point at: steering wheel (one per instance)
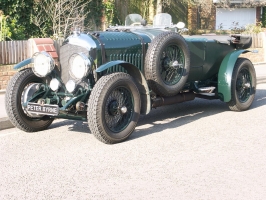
(135, 24)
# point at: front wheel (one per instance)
(20, 89)
(243, 85)
(114, 108)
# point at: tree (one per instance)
(94, 17)
(159, 6)
(18, 21)
(61, 14)
(4, 30)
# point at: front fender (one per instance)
(23, 63)
(139, 79)
(225, 74)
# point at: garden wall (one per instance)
(6, 72)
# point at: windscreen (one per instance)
(132, 19)
(162, 20)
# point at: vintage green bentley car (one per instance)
(109, 78)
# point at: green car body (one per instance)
(193, 66)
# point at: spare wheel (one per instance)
(167, 64)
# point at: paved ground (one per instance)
(194, 150)
(4, 121)
(2, 104)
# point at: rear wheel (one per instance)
(114, 108)
(243, 85)
(20, 89)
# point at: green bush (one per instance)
(253, 28)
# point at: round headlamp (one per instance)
(54, 84)
(70, 86)
(43, 64)
(80, 66)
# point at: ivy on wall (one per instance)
(263, 18)
(96, 8)
(18, 20)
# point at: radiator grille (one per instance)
(134, 59)
(65, 52)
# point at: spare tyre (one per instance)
(167, 64)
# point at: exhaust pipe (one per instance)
(182, 97)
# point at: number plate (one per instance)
(44, 109)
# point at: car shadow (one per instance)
(168, 117)
(73, 125)
(177, 115)
(260, 99)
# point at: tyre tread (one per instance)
(232, 104)
(11, 104)
(150, 60)
(93, 114)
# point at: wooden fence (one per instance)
(12, 52)
(258, 40)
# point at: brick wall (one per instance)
(197, 22)
(192, 17)
(258, 14)
(213, 18)
(6, 72)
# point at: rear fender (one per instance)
(139, 79)
(225, 74)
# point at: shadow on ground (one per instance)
(168, 117)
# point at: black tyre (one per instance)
(113, 108)
(19, 90)
(167, 64)
(243, 85)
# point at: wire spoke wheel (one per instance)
(243, 85)
(172, 65)
(114, 108)
(118, 109)
(167, 64)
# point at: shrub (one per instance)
(253, 28)
(236, 29)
